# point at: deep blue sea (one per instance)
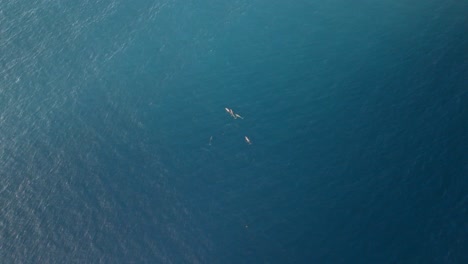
(115, 145)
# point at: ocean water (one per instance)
(115, 146)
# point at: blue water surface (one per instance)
(115, 146)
